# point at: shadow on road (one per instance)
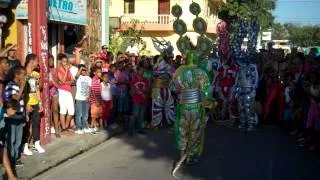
(229, 154)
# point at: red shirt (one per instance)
(62, 73)
(140, 83)
(227, 75)
(95, 94)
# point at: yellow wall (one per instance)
(116, 8)
(12, 38)
(141, 8)
(150, 8)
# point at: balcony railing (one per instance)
(159, 19)
(162, 22)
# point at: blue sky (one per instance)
(298, 11)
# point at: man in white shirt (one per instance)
(133, 52)
(133, 49)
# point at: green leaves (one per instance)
(249, 10)
(303, 36)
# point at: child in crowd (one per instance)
(122, 98)
(95, 98)
(113, 113)
(106, 98)
(82, 100)
(14, 124)
(139, 90)
(10, 109)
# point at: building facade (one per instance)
(155, 19)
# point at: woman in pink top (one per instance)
(54, 94)
(66, 102)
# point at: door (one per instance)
(163, 11)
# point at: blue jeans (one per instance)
(14, 139)
(82, 114)
(113, 113)
(137, 117)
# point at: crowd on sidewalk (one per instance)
(106, 91)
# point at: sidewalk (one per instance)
(58, 151)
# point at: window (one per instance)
(128, 6)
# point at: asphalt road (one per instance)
(229, 154)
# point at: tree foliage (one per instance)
(120, 41)
(303, 36)
(279, 32)
(235, 10)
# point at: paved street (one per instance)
(268, 154)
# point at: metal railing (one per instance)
(159, 19)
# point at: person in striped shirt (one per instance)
(14, 124)
(95, 98)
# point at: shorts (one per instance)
(96, 111)
(66, 103)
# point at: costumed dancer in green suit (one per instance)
(192, 85)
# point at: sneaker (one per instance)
(79, 131)
(38, 147)
(93, 130)
(19, 163)
(26, 150)
(87, 130)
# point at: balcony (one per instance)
(161, 23)
(148, 23)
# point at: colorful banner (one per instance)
(67, 11)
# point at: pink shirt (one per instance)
(65, 86)
(121, 76)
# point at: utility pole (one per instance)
(38, 44)
(105, 22)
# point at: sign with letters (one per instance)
(67, 11)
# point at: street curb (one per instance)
(70, 156)
(60, 151)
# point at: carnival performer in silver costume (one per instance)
(247, 81)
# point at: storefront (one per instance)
(66, 24)
(55, 33)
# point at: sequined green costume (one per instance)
(192, 83)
